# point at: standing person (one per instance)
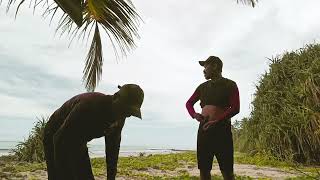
(81, 119)
(219, 100)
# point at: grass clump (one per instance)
(161, 162)
(23, 167)
(31, 150)
(260, 159)
(128, 166)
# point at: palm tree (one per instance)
(117, 18)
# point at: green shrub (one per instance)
(285, 120)
(31, 149)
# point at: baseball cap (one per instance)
(133, 95)
(211, 59)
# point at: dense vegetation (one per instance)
(31, 149)
(285, 120)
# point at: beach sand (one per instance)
(240, 169)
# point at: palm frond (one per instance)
(74, 9)
(94, 61)
(34, 2)
(118, 19)
(248, 2)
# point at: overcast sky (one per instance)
(38, 72)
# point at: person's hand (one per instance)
(208, 124)
(198, 117)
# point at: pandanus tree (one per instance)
(80, 18)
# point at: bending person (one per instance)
(81, 119)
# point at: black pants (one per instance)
(216, 141)
(72, 162)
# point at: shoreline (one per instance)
(98, 150)
(146, 152)
(122, 153)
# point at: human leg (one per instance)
(51, 127)
(205, 174)
(81, 164)
(224, 155)
(49, 154)
(204, 154)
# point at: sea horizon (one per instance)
(98, 150)
(151, 140)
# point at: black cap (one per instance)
(211, 59)
(134, 96)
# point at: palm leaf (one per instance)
(94, 61)
(118, 19)
(248, 2)
(73, 8)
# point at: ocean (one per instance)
(136, 138)
(98, 150)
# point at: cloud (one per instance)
(28, 90)
(39, 72)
